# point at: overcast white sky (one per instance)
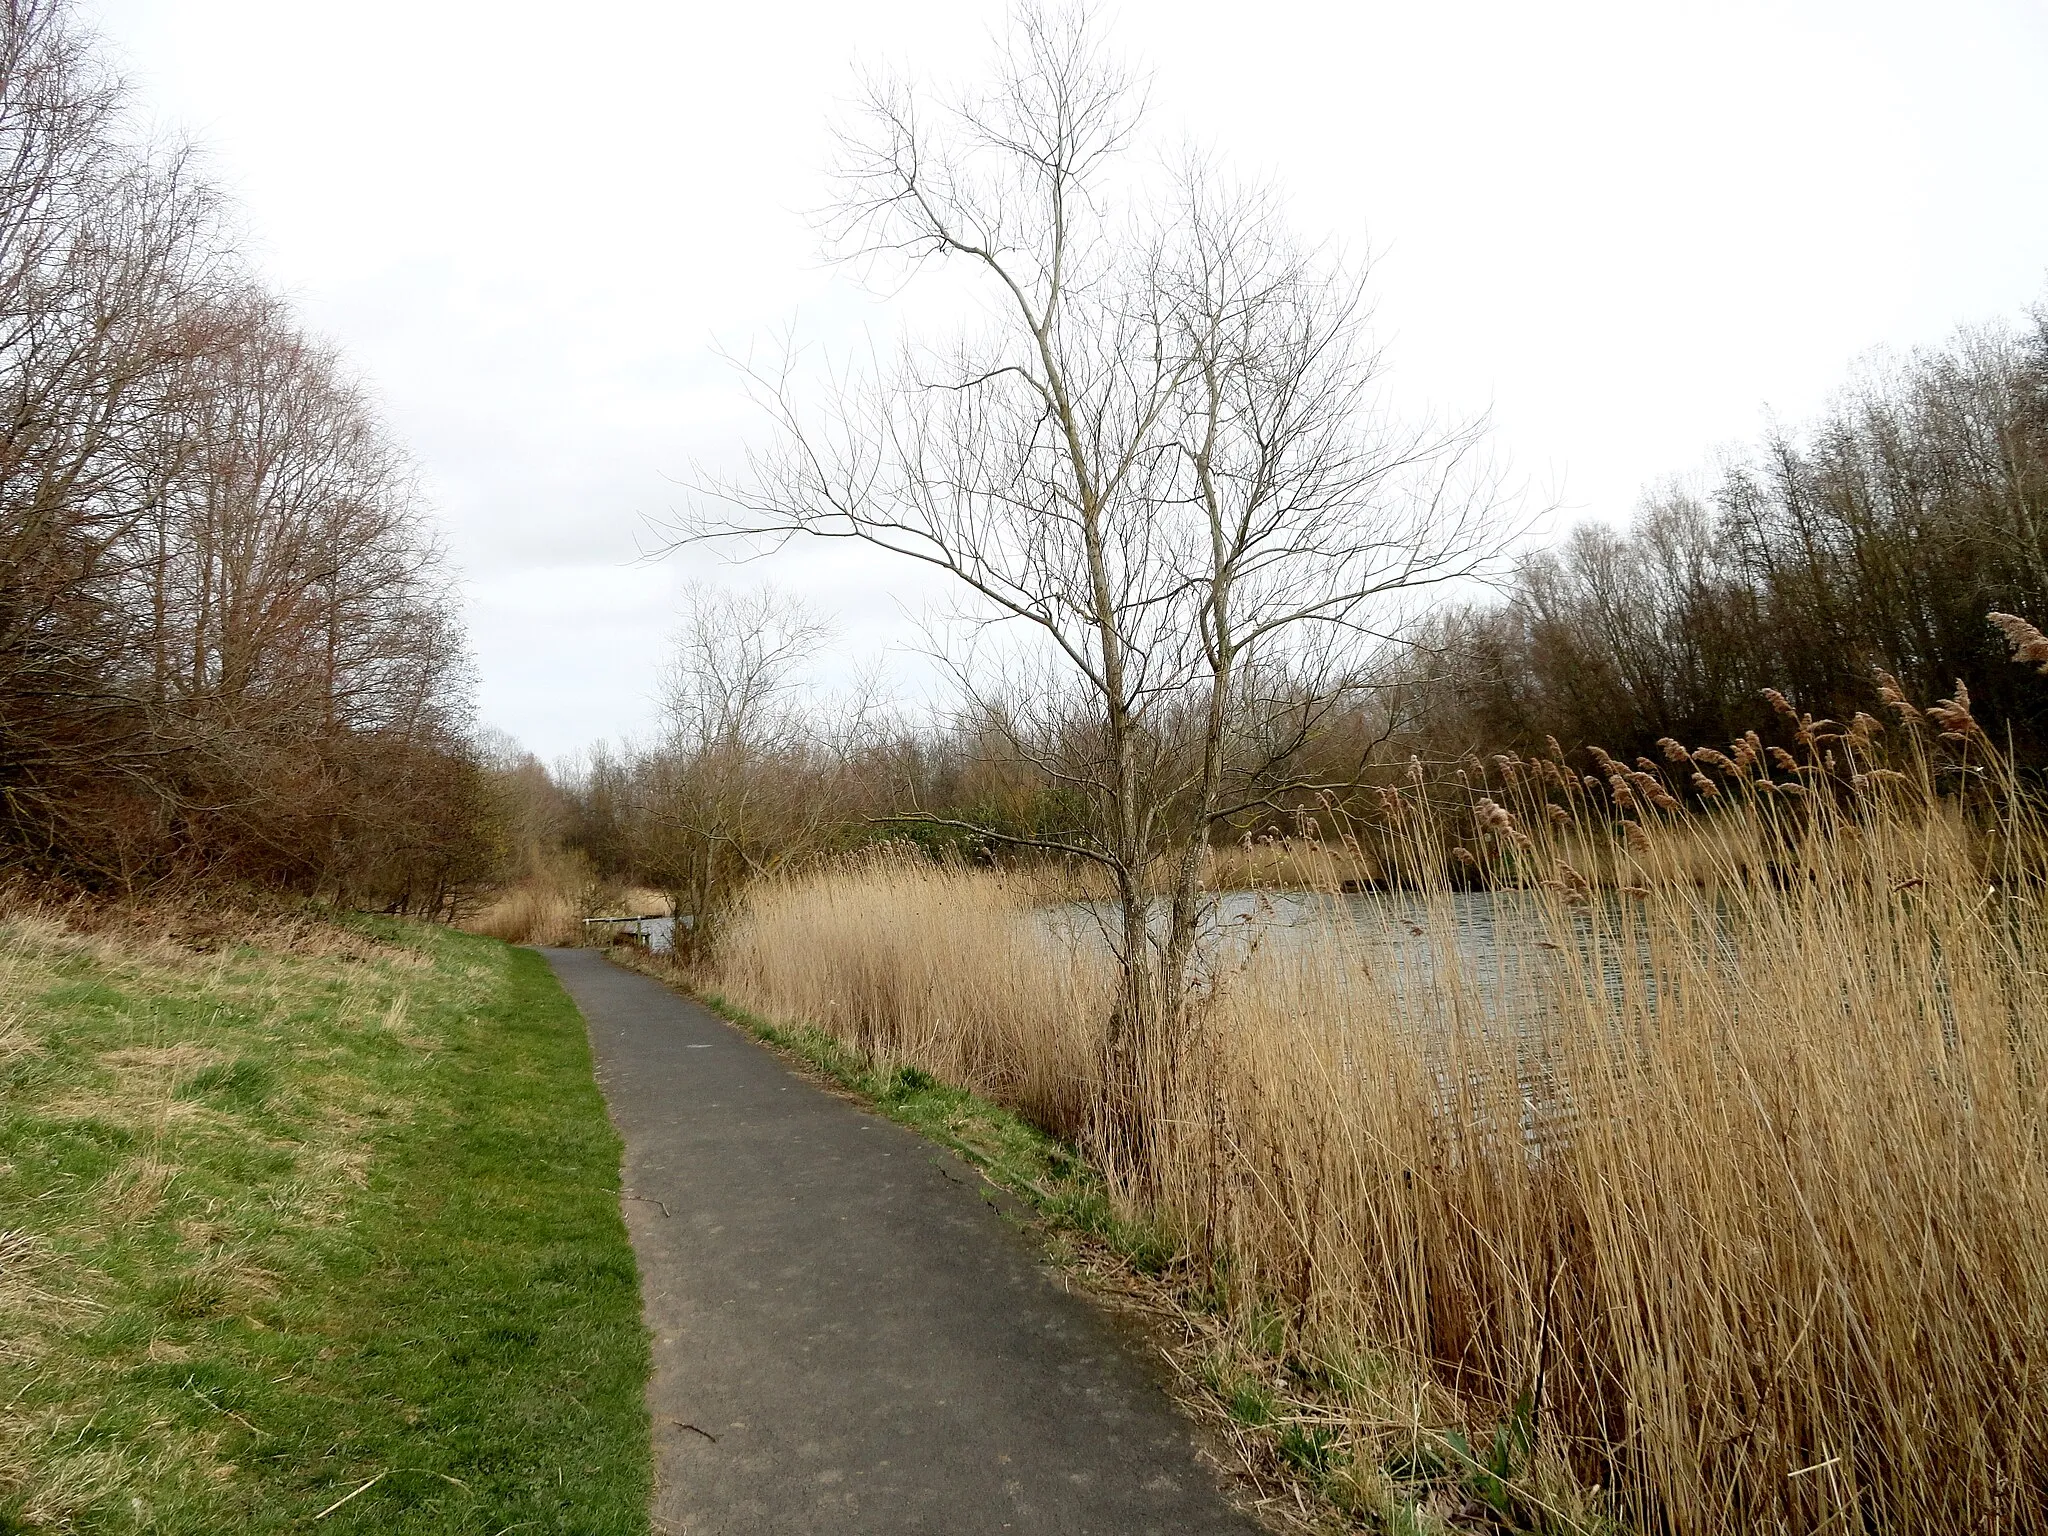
(1628, 228)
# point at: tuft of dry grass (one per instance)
(534, 912)
(1702, 1161)
(1289, 863)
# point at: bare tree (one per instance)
(1162, 475)
(756, 766)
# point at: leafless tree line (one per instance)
(227, 638)
(1877, 538)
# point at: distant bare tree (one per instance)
(1162, 475)
(754, 772)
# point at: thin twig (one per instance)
(373, 1482)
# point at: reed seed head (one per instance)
(1953, 715)
(2029, 645)
(1894, 697)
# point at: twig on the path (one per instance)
(644, 1200)
(693, 1429)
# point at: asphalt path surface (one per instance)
(848, 1336)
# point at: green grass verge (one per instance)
(315, 1232)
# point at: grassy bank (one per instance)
(1713, 1202)
(307, 1227)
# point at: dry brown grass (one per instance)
(925, 964)
(533, 912)
(1735, 1174)
(1273, 862)
(548, 907)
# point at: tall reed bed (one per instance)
(1724, 1183)
(963, 974)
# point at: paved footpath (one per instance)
(847, 1337)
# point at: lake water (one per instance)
(1399, 935)
(1474, 965)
